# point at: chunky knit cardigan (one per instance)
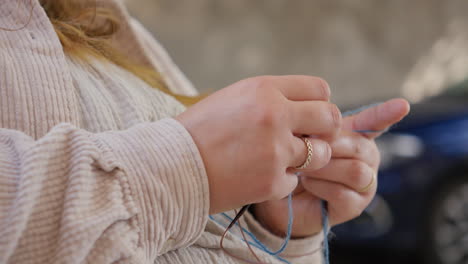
(93, 168)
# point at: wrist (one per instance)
(278, 228)
(261, 218)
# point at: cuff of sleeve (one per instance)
(168, 182)
(298, 249)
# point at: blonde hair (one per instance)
(85, 31)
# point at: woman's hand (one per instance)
(246, 134)
(346, 182)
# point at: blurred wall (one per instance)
(364, 48)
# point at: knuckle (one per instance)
(349, 209)
(273, 155)
(261, 82)
(358, 148)
(324, 88)
(366, 150)
(293, 150)
(353, 211)
(272, 189)
(346, 209)
(340, 196)
(357, 170)
(335, 115)
(266, 116)
(267, 190)
(265, 159)
(277, 195)
(258, 88)
(267, 108)
(325, 152)
(321, 153)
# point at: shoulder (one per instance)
(36, 86)
(135, 41)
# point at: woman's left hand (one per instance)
(348, 182)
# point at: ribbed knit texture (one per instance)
(93, 169)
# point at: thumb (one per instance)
(378, 117)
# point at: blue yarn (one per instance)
(288, 233)
(323, 204)
(358, 110)
(258, 244)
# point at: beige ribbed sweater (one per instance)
(93, 169)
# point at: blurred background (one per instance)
(368, 51)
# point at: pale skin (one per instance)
(248, 135)
(355, 158)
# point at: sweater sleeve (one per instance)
(299, 251)
(77, 197)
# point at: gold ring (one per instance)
(368, 186)
(309, 154)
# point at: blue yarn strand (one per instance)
(324, 207)
(288, 233)
(257, 244)
(324, 204)
(359, 110)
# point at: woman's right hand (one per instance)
(249, 133)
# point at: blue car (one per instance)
(422, 198)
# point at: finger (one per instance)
(320, 153)
(352, 173)
(302, 88)
(299, 188)
(285, 187)
(350, 145)
(379, 117)
(343, 203)
(316, 118)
